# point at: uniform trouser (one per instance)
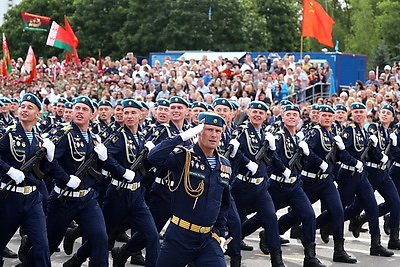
(87, 213)
(390, 187)
(358, 186)
(129, 205)
(326, 191)
(234, 230)
(251, 197)
(182, 246)
(26, 211)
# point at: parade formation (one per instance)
(182, 174)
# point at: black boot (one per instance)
(119, 255)
(137, 258)
(296, 232)
(394, 242)
(1, 262)
(310, 259)
(358, 222)
(263, 243)
(8, 253)
(121, 236)
(376, 247)
(284, 241)
(276, 259)
(386, 226)
(339, 254)
(236, 261)
(244, 246)
(70, 236)
(24, 264)
(24, 248)
(324, 232)
(73, 262)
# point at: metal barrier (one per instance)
(311, 93)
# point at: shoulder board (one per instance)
(317, 127)
(51, 116)
(353, 125)
(165, 125)
(179, 149)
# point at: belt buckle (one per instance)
(292, 180)
(383, 167)
(27, 190)
(324, 176)
(134, 186)
(258, 181)
(202, 229)
(81, 193)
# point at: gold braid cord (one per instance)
(195, 193)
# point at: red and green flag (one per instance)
(34, 22)
(6, 64)
(68, 28)
(29, 67)
(60, 38)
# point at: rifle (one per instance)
(258, 157)
(86, 167)
(297, 154)
(363, 155)
(138, 163)
(328, 156)
(8, 130)
(229, 149)
(33, 162)
(389, 146)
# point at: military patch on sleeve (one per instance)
(345, 135)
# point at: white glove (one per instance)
(149, 145)
(129, 175)
(101, 151)
(359, 165)
(271, 140)
(384, 158)
(374, 140)
(223, 244)
(393, 136)
(303, 145)
(15, 174)
(252, 166)
(192, 132)
(339, 142)
(300, 135)
(73, 182)
(324, 166)
(50, 148)
(235, 143)
(287, 173)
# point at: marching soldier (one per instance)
(68, 112)
(6, 119)
(51, 121)
(105, 112)
(14, 108)
(21, 201)
(200, 195)
(341, 119)
(313, 119)
(352, 177)
(197, 108)
(250, 192)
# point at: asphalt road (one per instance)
(292, 252)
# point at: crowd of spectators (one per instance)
(268, 79)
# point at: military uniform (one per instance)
(199, 204)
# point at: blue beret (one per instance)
(235, 105)
(1, 104)
(85, 100)
(326, 108)
(178, 100)
(210, 107)
(389, 107)
(68, 105)
(162, 102)
(55, 103)
(119, 102)
(211, 119)
(105, 103)
(285, 102)
(144, 105)
(33, 99)
(130, 103)
(199, 105)
(341, 107)
(62, 100)
(357, 105)
(291, 107)
(222, 101)
(95, 104)
(5, 100)
(314, 107)
(258, 105)
(14, 100)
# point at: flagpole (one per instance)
(301, 49)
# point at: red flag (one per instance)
(30, 65)
(6, 64)
(60, 38)
(68, 28)
(34, 22)
(317, 23)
